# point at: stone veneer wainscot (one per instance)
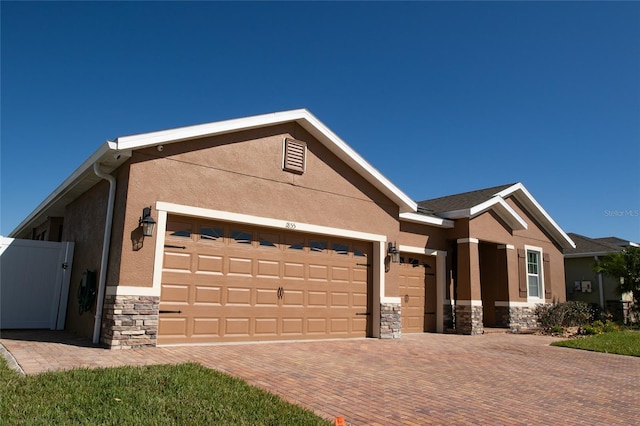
(130, 321)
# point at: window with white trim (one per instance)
(535, 289)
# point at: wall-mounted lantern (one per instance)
(147, 222)
(393, 253)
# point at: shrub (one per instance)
(567, 314)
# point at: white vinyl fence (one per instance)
(34, 283)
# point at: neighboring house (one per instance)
(271, 227)
(585, 285)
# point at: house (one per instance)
(585, 285)
(271, 227)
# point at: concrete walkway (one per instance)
(420, 379)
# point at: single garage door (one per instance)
(225, 282)
(418, 293)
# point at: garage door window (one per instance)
(241, 237)
(211, 234)
(318, 246)
(341, 248)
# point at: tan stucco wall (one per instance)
(488, 227)
(242, 173)
(84, 225)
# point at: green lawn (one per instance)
(617, 342)
(186, 394)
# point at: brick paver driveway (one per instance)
(417, 380)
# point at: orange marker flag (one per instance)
(340, 421)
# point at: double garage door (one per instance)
(225, 282)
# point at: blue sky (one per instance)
(441, 97)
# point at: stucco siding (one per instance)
(242, 173)
(84, 225)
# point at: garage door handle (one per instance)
(363, 313)
(170, 312)
(172, 246)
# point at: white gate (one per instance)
(34, 283)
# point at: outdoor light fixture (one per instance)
(393, 253)
(147, 222)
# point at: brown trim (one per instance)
(522, 272)
(546, 270)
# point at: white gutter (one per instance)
(102, 282)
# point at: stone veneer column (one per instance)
(130, 321)
(390, 321)
(469, 304)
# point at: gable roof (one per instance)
(618, 242)
(112, 154)
(473, 203)
(465, 200)
(587, 247)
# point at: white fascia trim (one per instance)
(541, 213)
(104, 152)
(469, 302)
(506, 247)
(507, 304)
(179, 134)
(502, 209)
(421, 250)
(468, 240)
(427, 220)
(267, 222)
(123, 290)
(302, 117)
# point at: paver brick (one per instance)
(420, 379)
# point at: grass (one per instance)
(625, 342)
(186, 394)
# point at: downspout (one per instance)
(102, 282)
(601, 290)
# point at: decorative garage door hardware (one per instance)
(363, 313)
(169, 312)
(363, 264)
(280, 292)
(174, 246)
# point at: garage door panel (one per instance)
(293, 271)
(293, 298)
(339, 299)
(317, 298)
(206, 327)
(318, 272)
(266, 326)
(210, 265)
(237, 326)
(359, 300)
(238, 296)
(268, 269)
(339, 325)
(317, 325)
(176, 293)
(340, 274)
(240, 266)
(292, 325)
(267, 297)
(178, 262)
(173, 327)
(360, 275)
(210, 295)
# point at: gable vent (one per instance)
(295, 153)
